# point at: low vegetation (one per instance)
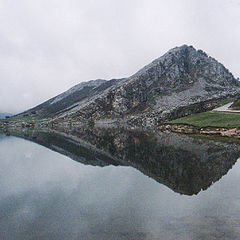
(235, 105)
(212, 119)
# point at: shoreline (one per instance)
(184, 128)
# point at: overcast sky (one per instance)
(47, 46)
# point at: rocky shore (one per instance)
(190, 129)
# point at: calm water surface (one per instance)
(46, 195)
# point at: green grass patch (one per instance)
(212, 119)
(21, 118)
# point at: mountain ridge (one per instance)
(180, 78)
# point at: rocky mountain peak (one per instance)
(181, 77)
(182, 81)
(185, 65)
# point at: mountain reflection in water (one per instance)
(186, 165)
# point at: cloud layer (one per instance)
(47, 46)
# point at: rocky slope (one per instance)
(67, 100)
(181, 82)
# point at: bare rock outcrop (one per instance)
(181, 82)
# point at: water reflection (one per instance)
(186, 165)
(44, 195)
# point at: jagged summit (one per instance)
(187, 60)
(182, 81)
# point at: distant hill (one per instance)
(181, 82)
(3, 115)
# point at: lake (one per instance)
(118, 185)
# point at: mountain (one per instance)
(70, 98)
(181, 82)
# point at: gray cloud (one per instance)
(48, 46)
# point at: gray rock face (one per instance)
(78, 87)
(71, 98)
(182, 79)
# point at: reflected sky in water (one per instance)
(45, 195)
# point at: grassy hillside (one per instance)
(211, 119)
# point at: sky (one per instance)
(48, 46)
